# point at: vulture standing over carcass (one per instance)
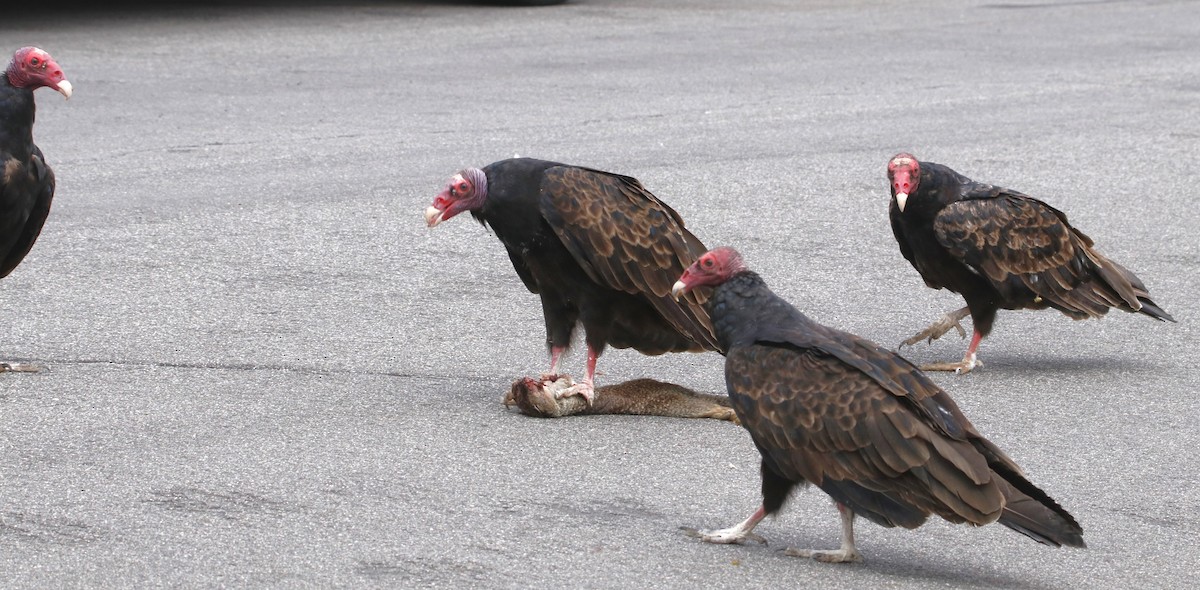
(867, 427)
(27, 185)
(598, 248)
(1000, 249)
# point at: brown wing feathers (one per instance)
(1021, 244)
(627, 239)
(884, 454)
(835, 424)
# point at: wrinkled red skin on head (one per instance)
(713, 268)
(904, 172)
(33, 68)
(454, 199)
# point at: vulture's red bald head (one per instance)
(904, 172)
(33, 68)
(713, 268)
(466, 191)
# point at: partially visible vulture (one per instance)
(867, 427)
(598, 248)
(27, 185)
(1000, 249)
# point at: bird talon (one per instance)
(586, 391)
(826, 555)
(723, 536)
(939, 328)
(967, 365)
(564, 387)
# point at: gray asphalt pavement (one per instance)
(266, 371)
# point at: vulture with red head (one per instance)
(27, 184)
(1000, 249)
(831, 409)
(598, 248)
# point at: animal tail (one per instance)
(1152, 309)
(1027, 509)
(1033, 513)
(1130, 288)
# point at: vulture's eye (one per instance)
(462, 187)
(33, 62)
(708, 262)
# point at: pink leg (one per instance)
(976, 338)
(591, 365)
(847, 554)
(968, 362)
(586, 388)
(555, 355)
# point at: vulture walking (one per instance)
(27, 185)
(861, 423)
(598, 248)
(1000, 249)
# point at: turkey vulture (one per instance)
(598, 248)
(1000, 249)
(27, 185)
(827, 408)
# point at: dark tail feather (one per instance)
(1153, 310)
(1027, 509)
(1030, 518)
(1033, 513)
(1129, 287)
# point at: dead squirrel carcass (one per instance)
(643, 397)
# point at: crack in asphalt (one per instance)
(313, 370)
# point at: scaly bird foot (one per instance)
(826, 555)
(937, 330)
(733, 535)
(961, 367)
(583, 389)
(564, 386)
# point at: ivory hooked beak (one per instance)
(432, 216)
(64, 87)
(901, 198)
(678, 289)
